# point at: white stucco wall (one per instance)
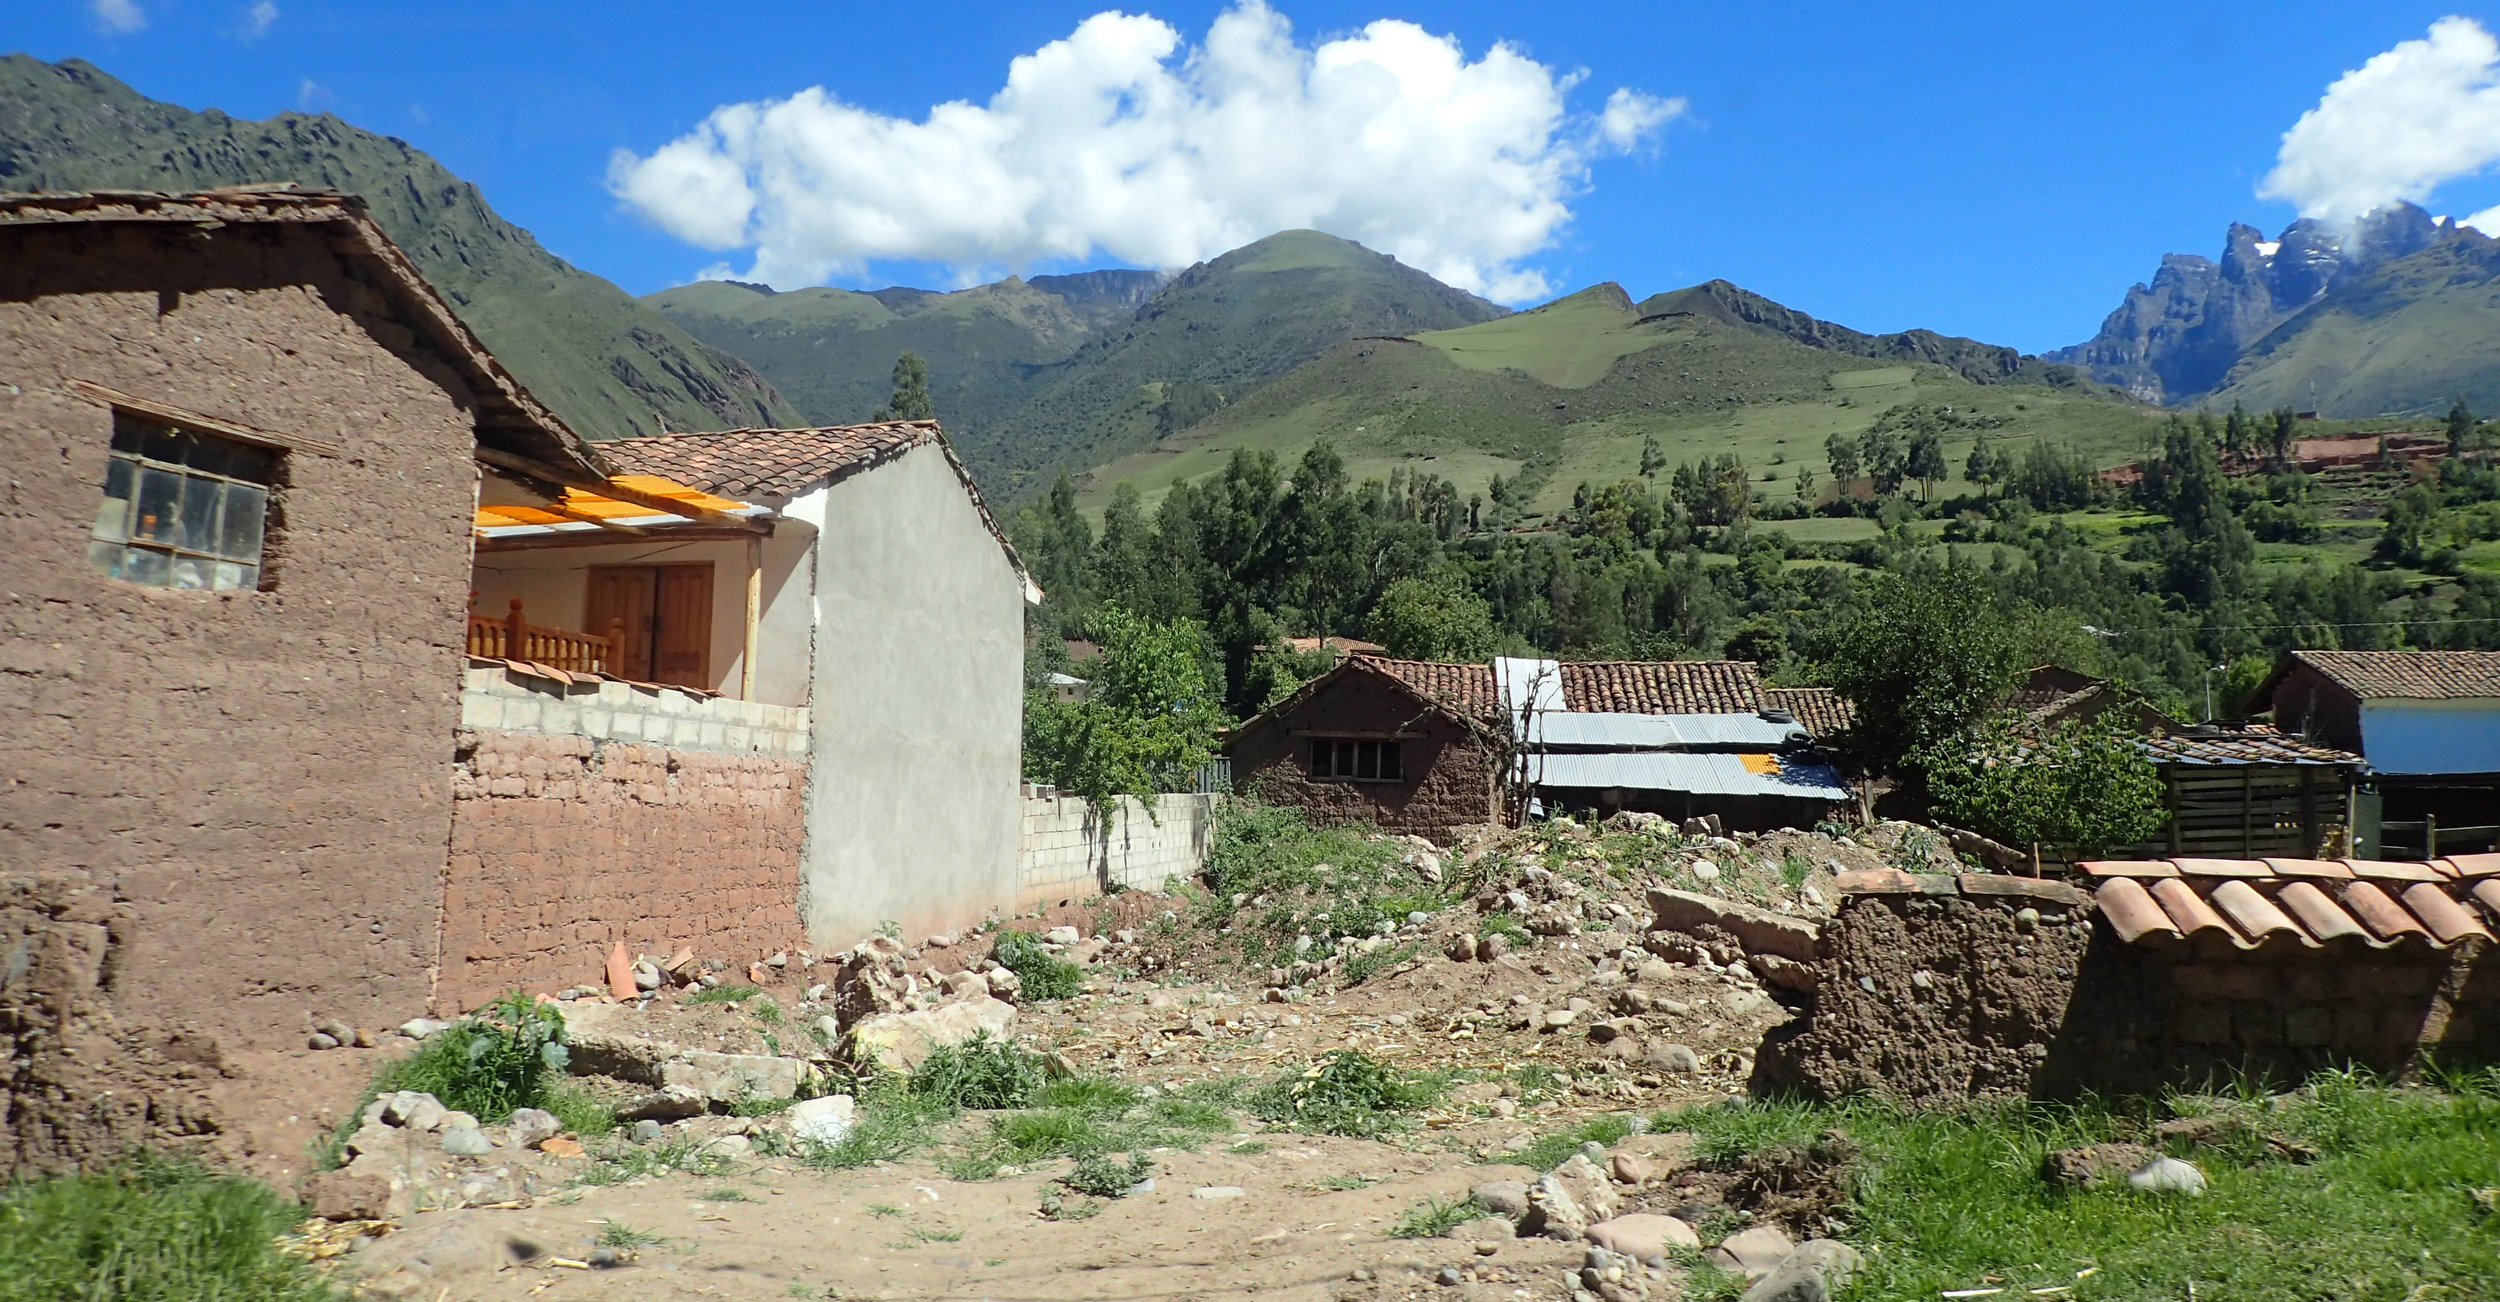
(2460, 736)
(913, 808)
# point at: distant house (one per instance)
(1429, 748)
(2428, 723)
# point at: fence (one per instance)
(514, 638)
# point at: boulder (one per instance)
(822, 1121)
(613, 1040)
(1754, 1251)
(1502, 1197)
(1590, 1187)
(347, 1196)
(1673, 1057)
(900, 1042)
(1815, 1272)
(1552, 1212)
(1643, 1235)
(1760, 930)
(530, 1127)
(730, 1078)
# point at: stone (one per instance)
(414, 1110)
(824, 1120)
(646, 1130)
(2077, 1168)
(1754, 1251)
(1063, 935)
(829, 1029)
(418, 1028)
(1560, 1018)
(1655, 971)
(321, 1040)
(671, 1104)
(1483, 1229)
(1758, 930)
(337, 1030)
(466, 1141)
(1552, 1212)
(1632, 1169)
(346, 1196)
(962, 984)
(561, 1147)
(1461, 948)
(647, 976)
(730, 1148)
(1673, 1057)
(455, 1119)
(2169, 1175)
(1589, 1186)
(364, 1038)
(1643, 1235)
(1815, 1272)
(1747, 1003)
(1216, 1192)
(1489, 948)
(731, 1078)
(1502, 1197)
(1784, 973)
(900, 1042)
(1705, 870)
(1606, 1032)
(1448, 1277)
(530, 1127)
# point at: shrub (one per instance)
(510, 1055)
(1101, 1177)
(1044, 975)
(150, 1230)
(980, 1073)
(1346, 1093)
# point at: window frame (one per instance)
(1346, 759)
(135, 460)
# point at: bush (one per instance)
(1101, 1177)
(151, 1230)
(1296, 879)
(980, 1073)
(1346, 1093)
(508, 1056)
(1044, 975)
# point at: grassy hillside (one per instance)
(1569, 391)
(607, 364)
(2409, 338)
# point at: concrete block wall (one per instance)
(1069, 853)
(496, 698)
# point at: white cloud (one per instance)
(258, 18)
(119, 15)
(2397, 127)
(313, 97)
(1122, 140)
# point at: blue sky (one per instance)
(2000, 171)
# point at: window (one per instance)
(1338, 760)
(181, 509)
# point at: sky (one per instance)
(1998, 171)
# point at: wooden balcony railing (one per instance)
(514, 638)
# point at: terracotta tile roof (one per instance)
(1824, 712)
(1467, 690)
(2252, 744)
(1662, 686)
(2409, 675)
(2306, 903)
(774, 464)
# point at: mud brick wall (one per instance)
(562, 845)
(1934, 993)
(1071, 853)
(1451, 778)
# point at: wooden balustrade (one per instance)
(515, 638)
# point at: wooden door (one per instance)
(625, 593)
(682, 642)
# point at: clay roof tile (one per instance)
(2409, 675)
(1662, 686)
(2132, 912)
(2448, 920)
(2254, 914)
(2189, 910)
(2319, 914)
(2384, 917)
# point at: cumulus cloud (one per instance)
(2397, 127)
(258, 18)
(1122, 140)
(119, 15)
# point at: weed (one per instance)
(884, 1209)
(1102, 1177)
(887, 1127)
(1704, 1280)
(936, 1236)
(1344, 1183)
(1794, 869)
(1249, 1147)
(1347, 1093)
(586, 1117)
(1189, 1114)
(1553, 1150)
(1055, 1208)
(890, 929)
(1024, 1137)
(511, 1055)
(1278, 878)
(1501, 923)
(1537, 1080)
(981, 1074)
(1042, 974)
(617, 1234)
(754, 1105)
(622, 1162)
(767, 1012)
(151, 1228)
(1089, 1094)
(723, 995)
(728, 1195)
(1363, 967)
(1429, 1218)
(772, 1044)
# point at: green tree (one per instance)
(1985, 466)
(1885, 458)
(911, 391)
(1434, 619)
(1151, 717)
(1925, 462)
(1926, 659)
(2080, 786)
(1653, 459)
(2460, 429)
(2239, 431)
(2285, 425)
(1842, 452)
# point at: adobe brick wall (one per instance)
(1936, 998)
(256, 782)
(1452, 780)
(562, 845)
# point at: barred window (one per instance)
(181, 509)
(1340, 760)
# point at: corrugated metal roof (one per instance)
(1683, 771)
(1664, 732)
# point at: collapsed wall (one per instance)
(1938, 987)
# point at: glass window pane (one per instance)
(160, 501)
(112, 515)
(1319, 759)
(207, 454)
(139, 565)
(1392, 763)
(226, 576)
(244, 510)
(129, 433)
(192, 574)
(197, 531)
(246, 462)
(247, 577)
(159, 443)
(1345, 759)
(1367, 759)
(105, 558)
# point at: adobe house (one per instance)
(234, 560)
(2428, 723)
(1422, 747)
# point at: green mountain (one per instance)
(1571, 391)
(609, 365)
(1065, 371)
(2405, 338)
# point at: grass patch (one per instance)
(767, 1012)
(1089, 1093)
(1277, 878)
(1040, 973)
(888, 1210)
(617, 1234)
(1949, 1198)
(621, 1162)
(1433, 1217)
(1249, 1147)
(1363, 967)
(1347, 1093)
(1553, 1150)
(150, 1230)
(1501, 923)
(981, 1073)
(723, 995)
(1344, 1183)
(1101, 1177)
(727, 1195)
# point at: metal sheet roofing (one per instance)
(1683, 771)
(2308, 903)
(513, 520)
(1664, 732)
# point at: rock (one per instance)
(2169, 1175)
(364, 1038)
(829, 1029)
(1655, 971)
(822, 1121)
(647, 976)
(1784, 973)
(1632, 1169)
(1489, 948)
(344, 1196)
(671, 1104)
(321, 1040)
(1448, 1277)
(730, 1148)
(529, 1127)
(1589, 1186)
(466, 1141)
(1063, 935)
(337, 1030)
(938, 941)
(1215, 1192)
(1483, 1229)
(961, 984)
(1560, 1018)
(1673, 1057)
(1643, 1235)
(455, 1119)
(561, 1147)
(413, 1110)
(646, 1130)
(731, 1078)
(1760, 931)
(1461, 948)
(1705, 870)
(606, 1258)
(1502, 1197)
(1004, 984)
(1552, 1212)
(899, 1042)
(1747, 1003)
(1754, 1251)
(1815, 1272)
(418, 1028)
(2077, 1168)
